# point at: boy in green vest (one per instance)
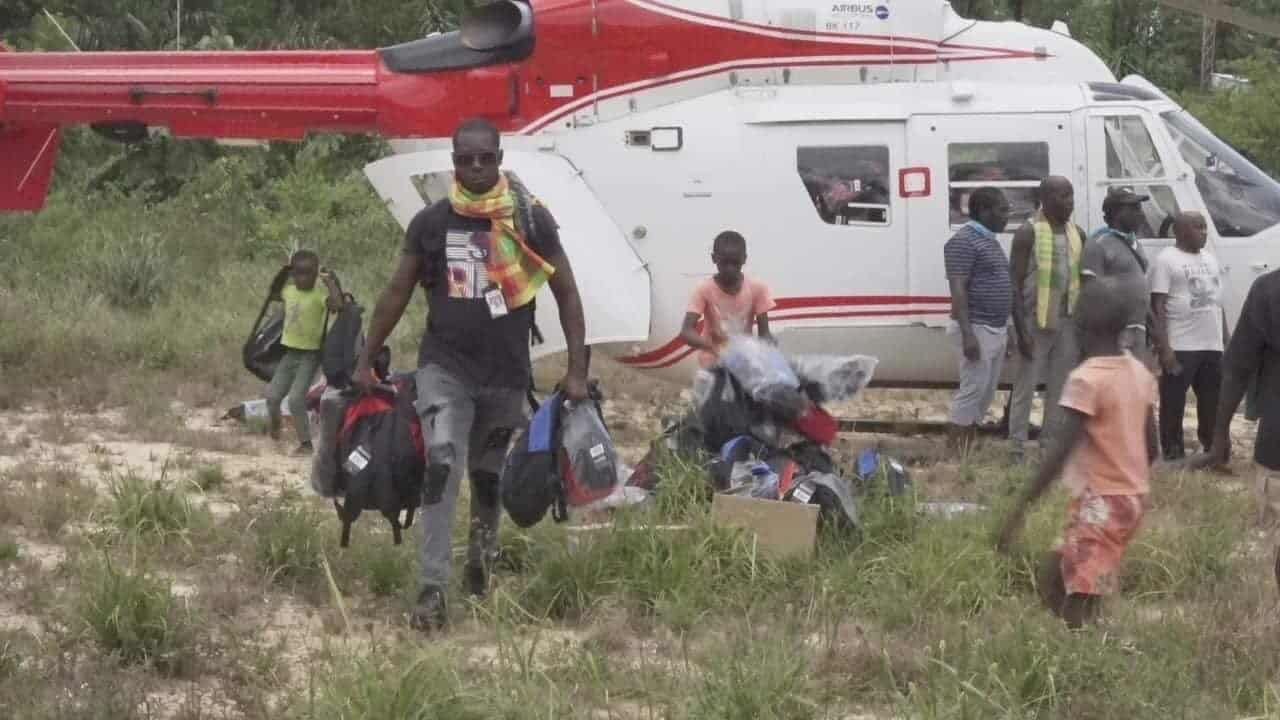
(305, 311)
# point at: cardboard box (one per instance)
(782, 529)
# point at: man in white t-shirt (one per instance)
(1190, 332)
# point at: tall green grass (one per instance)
(134, 615)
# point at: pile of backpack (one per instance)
(370, 452)
(759, 428)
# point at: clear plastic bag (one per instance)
(756, 364)
(836, 378)
(324, 463)
(592, 457)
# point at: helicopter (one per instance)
(842, 139)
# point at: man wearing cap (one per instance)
(1113, 251)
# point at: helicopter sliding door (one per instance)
(611, 278)
(824, 195)
(1013, 152)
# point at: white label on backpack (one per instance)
(497, 303)
(358, 460)
(598, 457)
(803, 492)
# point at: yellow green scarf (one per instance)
(1044, 267)
(516, 269)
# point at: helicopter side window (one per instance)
(848, 185)
(1133, 162)
(1015, 168)
(1130, 150)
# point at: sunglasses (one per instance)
(484, 159)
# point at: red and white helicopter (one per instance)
(841, 138)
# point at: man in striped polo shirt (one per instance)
(981, 300)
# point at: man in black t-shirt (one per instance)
(1254, 356)
(480, 254)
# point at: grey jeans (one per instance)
(292, 379)
(1055, 355)
(468, 428)
(978, 379)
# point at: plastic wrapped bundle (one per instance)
(324, 463)
(834, 378)
(766, 375)
(756, 364)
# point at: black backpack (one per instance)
(342, 344)
(381, 458)
(531, 475)
(263, 350)
(726, 413)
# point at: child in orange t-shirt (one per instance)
(729, 303)
(1104, 455)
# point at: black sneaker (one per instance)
(476, 580)
(429, 613)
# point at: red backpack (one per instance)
(381, 458)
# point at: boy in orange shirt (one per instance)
(1104, 455)
(729, 303)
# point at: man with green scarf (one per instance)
(481, 253)
(1045, 262)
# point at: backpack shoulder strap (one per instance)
(346, 519)
(396, 527)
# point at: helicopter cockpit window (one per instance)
(1015, 168)
(849, 185)
(1133, 162)
(1130, 151)
(1241, 199)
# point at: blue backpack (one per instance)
(530, 483)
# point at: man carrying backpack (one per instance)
(481, 254)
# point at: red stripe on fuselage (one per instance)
(640, 48)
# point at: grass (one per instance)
(916, 617)
(134, 616)
(142, 507)
(10, 551)
(44, 497)
(210, 477)
(290, 540)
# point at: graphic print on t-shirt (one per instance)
(1203, 283)
(467, 254)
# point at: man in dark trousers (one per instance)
(481, 254)
(1190, 331)
(1254, 355)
